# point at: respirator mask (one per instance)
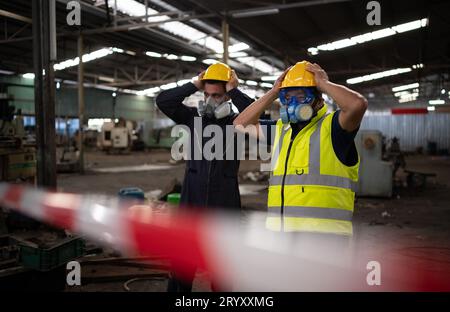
(294, 109)
(214, 108)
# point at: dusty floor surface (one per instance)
(412, 218)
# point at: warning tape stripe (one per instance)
(258, 259)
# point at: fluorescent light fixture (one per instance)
(168, 86)
(266, 85)
(406, 87)
(431, 108)
(313, 51)
(149, 91)
(199, 38)
(153, 90)
(171, 57)
(129, 91)
(153, 54)
(378, 34)
(86, 58)
(257, 64)
(67, 63)
(407, 97)
(187, 58)
(378, 75)
(237, 54)
(118, 50)
(251, 83)
(436, 102)
(28, 76)
(102, 87)
(135, 8)
(96, 54)
(269, 78)
(209, 61)
(401, 93)
(183, 81)
(241, 46)
(255, 12)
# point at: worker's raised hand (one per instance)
(233, 82)
(277, 85)
(198, 81)
(320, 75)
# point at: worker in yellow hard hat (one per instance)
(314, 159)
(208, 183)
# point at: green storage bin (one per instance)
(46, 259)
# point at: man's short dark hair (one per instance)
(223, 83)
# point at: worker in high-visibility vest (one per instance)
(314, 159)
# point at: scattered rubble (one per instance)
(256, 176)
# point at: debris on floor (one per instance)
(255, 176)
(251, 189)
(154, 194)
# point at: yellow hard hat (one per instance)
(298, 76)
(218, 71)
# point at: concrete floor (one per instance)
(409, 219)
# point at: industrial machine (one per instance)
(375, 175)
(17, 158)
(116, 136)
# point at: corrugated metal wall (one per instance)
(98, 103)
(412, 130)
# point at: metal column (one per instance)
(81, 103)
(225, 39)
(44, 91)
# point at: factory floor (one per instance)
(416, 219)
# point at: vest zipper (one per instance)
(282, 183)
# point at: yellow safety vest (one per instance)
(310, 189)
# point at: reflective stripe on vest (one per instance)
(310, 225)
(314, 179)
(312, 212)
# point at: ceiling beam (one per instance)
(15, 16)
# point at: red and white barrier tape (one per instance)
(244, 257)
